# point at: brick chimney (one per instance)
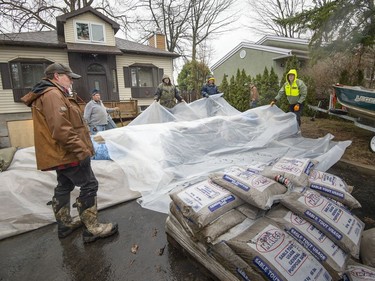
(157, 40)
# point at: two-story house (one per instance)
(84, 39)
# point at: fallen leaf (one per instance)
(161, 251)
(134, 249)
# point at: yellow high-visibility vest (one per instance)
(292, 90)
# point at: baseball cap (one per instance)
(61, 69)
(95, 91)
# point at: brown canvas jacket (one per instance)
(60, 133)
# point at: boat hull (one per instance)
(358, 101)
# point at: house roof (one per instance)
(264, 39)
(50, 39)
(60, 20)
(130, 47)
(265, 44)
(279, 51)
(88, 48)
(32, 39)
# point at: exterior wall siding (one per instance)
(91, 18)
(127, 60)
(254, 63)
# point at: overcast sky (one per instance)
(224, 43)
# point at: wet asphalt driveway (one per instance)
(40, 255)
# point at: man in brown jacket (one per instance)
(63, 144)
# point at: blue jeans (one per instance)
(97, 128)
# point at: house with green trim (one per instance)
(269, 51)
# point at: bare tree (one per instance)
(186, 24)
(208, 18)
(37, 15)
(269, 16)
(168, 16)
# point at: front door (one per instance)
(99, 81)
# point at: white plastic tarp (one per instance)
(160, 150)
(165, 149)
(24, 192)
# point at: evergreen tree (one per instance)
(224, 87)
(192, 77)
(270, 87)
(243, 92)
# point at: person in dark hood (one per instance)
(62, 143)
(295, 91)
(167, 93)
(210, 88)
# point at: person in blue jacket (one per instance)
(210, 88)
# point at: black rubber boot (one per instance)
(93, 230)
(61, 208)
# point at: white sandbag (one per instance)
(367, 252)
(250, 211)
(197, 250)
(233, 263)
(359, 272)
(185, 223)
(220, 225)
(256, 167)
(204, 202)
(333, 258)
(332, 186)
(341, 226)
(254, 189)
(274, 254)
(297, 170)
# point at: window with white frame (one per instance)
(89, 32)
(142, 77)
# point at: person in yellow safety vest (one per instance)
(295, 91)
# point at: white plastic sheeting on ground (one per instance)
(166, 149)
(161, 150)
(24, 192)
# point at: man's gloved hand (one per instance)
(206, 95)
(273, 102)
(156, 99)
(296, 107)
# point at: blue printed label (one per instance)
(264, 267)
(305, 242)
(308, 168)
(236, 183)
(242, 274)
(221, 203)
(327, 190)
(335, 233)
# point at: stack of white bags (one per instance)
(284, 220)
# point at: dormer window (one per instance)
(89, 32)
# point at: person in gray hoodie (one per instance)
(295, 91)
(96, 114)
